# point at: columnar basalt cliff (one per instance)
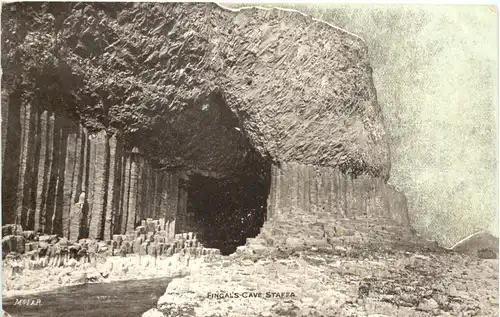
(110, 110)
(319, 189)
(70, 182)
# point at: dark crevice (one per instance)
(228, 211)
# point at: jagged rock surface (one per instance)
(205, 85)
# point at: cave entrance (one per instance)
(229, 177)
(227, 211)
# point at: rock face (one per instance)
(124, 96)
(213, 85)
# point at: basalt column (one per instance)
(112, 185)
(42, 141)
(5, 121)
(140, 189)
(164, 199)
(311, 189)
(70, 175)
(78, 201)
(121, 225)
(10, 154)
(182, 203)
(172, 205)
(48, 172)
(89, 184)
(132, 209)
(144, 188)
(25, 116)
(101, 166)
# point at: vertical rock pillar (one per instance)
(5, 121)
(11, 154)
(23, 160)
(133, 190)
(126, 194)
(172, 205)
(182, 203)
(42, 171)
(100, 186)
(111, 184)
(69, 175)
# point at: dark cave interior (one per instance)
(227, 211)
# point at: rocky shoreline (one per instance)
(111, 269)
(319, 266)
(34, 263)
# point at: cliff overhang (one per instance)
(169, 110)
(202, 86)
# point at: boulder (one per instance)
(75, 247)
(93, 276)
(143, 249)
(8, 244)
(82, 253)
(128, 246)
(159, 248)
(105, 268)
(129, 237)
(123, 251)
(481, 244)
(63, 242)
(151, 226)
(53, 238)
(11, 229)
(150, 236)
(72, 263)
(137, 245)
(428, 305)
(152, 249)
(32, 246)
(28, 235)
(20, 244)
(153, 313)
(102, 246)
(140, 230)
(92, 246)
(44, 238)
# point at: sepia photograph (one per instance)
(164, 159)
